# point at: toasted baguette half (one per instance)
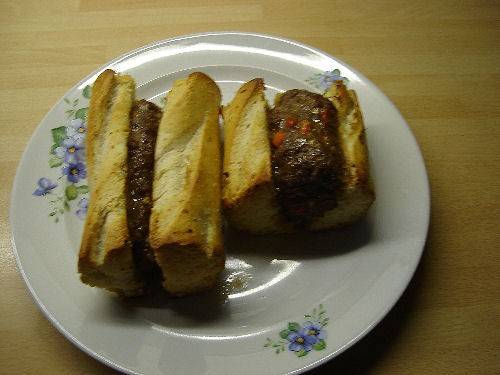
(185, 223)
(105, 258)
(248, 193)
(357, 193)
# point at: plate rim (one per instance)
(306, 367)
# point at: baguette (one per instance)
(105, 257)
(250, 197)
(248, 194)
(185, 225)
(357, 193)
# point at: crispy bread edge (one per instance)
(187, 241)
(358, 193)
(105, 257)
(251, 188)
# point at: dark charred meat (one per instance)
(306, 156)
(145, 118)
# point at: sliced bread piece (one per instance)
(185, 224)
(248, 194)
(105, 258)
(357, 193)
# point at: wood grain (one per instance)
(438, 61)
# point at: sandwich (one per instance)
(149, 176)
(301, 165)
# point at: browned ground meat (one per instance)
(306, 156)
(145, 118)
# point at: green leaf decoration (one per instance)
(87, 91)
(293, 326)
(81, 113)
(66, 205)
(301, 353)
(66, 100)
(58, 135)
(284, 334)
(75, 102)
(71, 192)
(53, 149)
(82, 189)
(55, 162)
(320, 345)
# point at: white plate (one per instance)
(346, 281)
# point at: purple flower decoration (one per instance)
(75, 171)
(324, 80)
(330, 77)
(44, 187)
(302, 338)
(76, 130)
(314, 329)
(71, 150)
(301, 341)
(82, 208)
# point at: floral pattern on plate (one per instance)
(324, 80)
(67, 153)
(302, 338)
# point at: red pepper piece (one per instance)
(278, 139)
(305, 127)
(290, 122)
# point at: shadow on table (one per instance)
(363, 357)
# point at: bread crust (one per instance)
(248, 194)
(357, 193)
(185, 223)
(105, 258)
(249, 98)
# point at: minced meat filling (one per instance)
(145, 118)
(306, 156)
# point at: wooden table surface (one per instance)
(439, 61)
